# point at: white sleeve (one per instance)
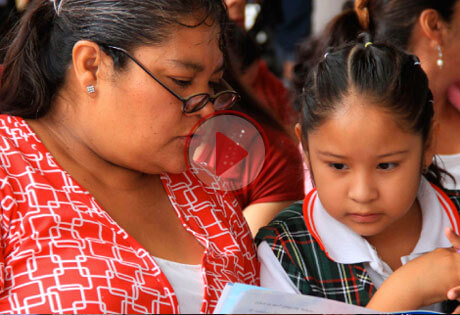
(272, 274)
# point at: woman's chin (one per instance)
(176, 168)
(453, 95)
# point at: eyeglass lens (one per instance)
(221, 102)
(223, 99)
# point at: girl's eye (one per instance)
(182, 83)
(338, 166)
(387, 166)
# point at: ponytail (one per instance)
(26, 89)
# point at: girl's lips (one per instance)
(365, 218)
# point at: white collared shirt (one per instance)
(345, 246)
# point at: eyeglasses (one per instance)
(223, 99)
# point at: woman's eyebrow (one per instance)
(219, 69)
(193, 66)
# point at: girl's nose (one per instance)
(363, 189)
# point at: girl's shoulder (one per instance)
(288, 236)
(289, 221)
(308, 266)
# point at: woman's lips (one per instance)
(365, 218)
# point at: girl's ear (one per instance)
(298, 133)
(430, 144)
(305, 154)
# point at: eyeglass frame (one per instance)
(183, 100)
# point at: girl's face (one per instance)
(366, 168)
(135, 122)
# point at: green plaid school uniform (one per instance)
(296, 244)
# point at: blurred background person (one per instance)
(281, 25)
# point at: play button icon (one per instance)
(226, 150)
(228, 153)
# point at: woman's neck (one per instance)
(61, 138)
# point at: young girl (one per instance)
(367, 128)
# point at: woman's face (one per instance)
(452, 60)
(135, 122)
(441, 78)
(450, 71)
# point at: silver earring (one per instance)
(439, 62)
(90, 89)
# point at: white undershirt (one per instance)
(450, 163)
(347, 247)
(187, 283)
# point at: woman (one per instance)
(429, 29)
(99, 214)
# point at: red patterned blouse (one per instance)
(62, 253)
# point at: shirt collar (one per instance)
(343, 245)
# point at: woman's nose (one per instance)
(207, 110)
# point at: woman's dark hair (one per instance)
(386, 20)
(391, 78)
(38, 57)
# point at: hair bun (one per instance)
(362, 12)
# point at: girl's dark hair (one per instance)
(386, 20)
(37, 59)
(393, 79)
